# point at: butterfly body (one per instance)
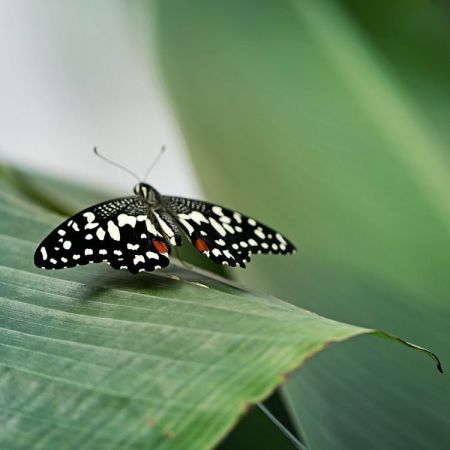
(148, 194)
(136, 233)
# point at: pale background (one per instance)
(78, 74)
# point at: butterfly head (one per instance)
(148, 193)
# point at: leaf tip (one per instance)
(432, 355)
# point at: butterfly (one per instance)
(136, 233)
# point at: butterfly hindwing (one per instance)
(122, 232)
(225, 236)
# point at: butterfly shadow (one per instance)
(145, 284)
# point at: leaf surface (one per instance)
(94, 358)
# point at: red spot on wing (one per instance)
(200, 245)
(161, 247)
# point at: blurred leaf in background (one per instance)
(329, 121)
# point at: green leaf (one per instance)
(94, 358)
(295, 115)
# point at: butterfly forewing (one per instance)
(122, 232)
(225, 236)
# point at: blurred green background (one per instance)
(329, 121)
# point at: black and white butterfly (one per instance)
(136, 233)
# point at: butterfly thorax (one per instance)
(148, 194)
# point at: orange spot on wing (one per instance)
(161, 247)
(200, 245)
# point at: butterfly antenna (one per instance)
(115, 164)
(153, 164)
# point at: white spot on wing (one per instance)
(237, 217)
(228, 254)
(259, 233)
(186, 224)
(132, 246)
(229, 228)
(138, 258)
(44, 253)
(124, 219)
(67, 244)
(113, 230)
(252, 242)
(164, 225)
(216, 225)
(198, 217)
(281, 238)
(88, 251)
(117, 252)
(100, 233)
(102, 251)
(217, 210)
(152, 255)
(76, 256)
(61, 232)
(88, 237)
(216, 252)
(91, 226)
(90, 217)
(225, 219)
(251, 222)
(75, 226)
(151, 228)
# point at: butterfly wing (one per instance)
(121, 232)
(225, 236)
